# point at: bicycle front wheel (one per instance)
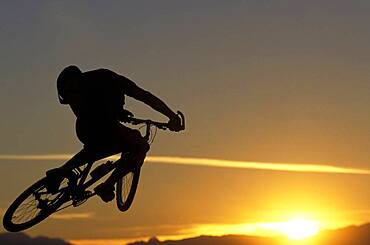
(126, 189)
(32, 206)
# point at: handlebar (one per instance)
(160, 125)
(182, 119)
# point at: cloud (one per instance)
(103, 241)
(290, 167)
(207, 162)
(48, 157)
(69, 216)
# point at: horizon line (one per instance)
(211, 162)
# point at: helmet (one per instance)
(66, 82)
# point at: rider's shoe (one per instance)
(105, 192)
(54, 178)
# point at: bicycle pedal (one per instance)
(43, 204)
(81, 198)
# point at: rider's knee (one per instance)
(136, 135)
(143, 146)
(140, 145)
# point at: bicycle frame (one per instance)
(79, 189)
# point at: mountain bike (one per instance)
(36, 203)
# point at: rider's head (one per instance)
(67, 81)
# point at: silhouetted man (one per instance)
(97, 98)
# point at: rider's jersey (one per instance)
(97, 102)
(101, 96)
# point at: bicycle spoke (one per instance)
(36, 203)
(26, 212)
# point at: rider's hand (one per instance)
(124, 115)
(174, 124)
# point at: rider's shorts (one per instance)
(107, 135)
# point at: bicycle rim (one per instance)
(32, 206)
(126, 189)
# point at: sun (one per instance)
(298, 229)
(295, 229)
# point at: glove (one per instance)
(174, 124)
(124, 115)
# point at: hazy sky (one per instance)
(261, 81)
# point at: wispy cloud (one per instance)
(289, 167)
(105, 241)
(141, 233)
(64, 216)
(69, 216)
(48, 157)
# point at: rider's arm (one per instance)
(134, 91)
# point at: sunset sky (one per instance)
(276, 96)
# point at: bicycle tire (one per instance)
(126, 189)
(10, 217)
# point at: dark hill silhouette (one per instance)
(23, 239)
(214, 240)
(353, 235)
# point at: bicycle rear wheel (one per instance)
(126, 189)
(33, 205)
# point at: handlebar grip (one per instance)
(182, 119)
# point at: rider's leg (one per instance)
(76, 161)
(99, 138)
(135, 158)
(56, 175)
(82, 131)
(136, 148)
(96, 136)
